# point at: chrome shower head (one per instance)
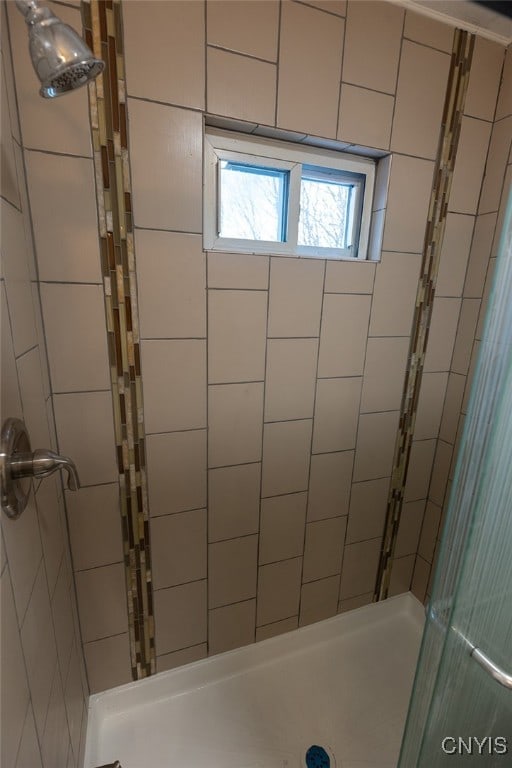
(61, 58)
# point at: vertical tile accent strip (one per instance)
(102, 23)
(462, 53)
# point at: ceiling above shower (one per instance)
(476, 17)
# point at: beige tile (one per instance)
(163, 137)
(339, 7)
(171, 279)
(176, 471)
(16, 270)
(235, 414)
(465, 335)
(24, 551)
(394, 296)
(409, 528)
(452, 407)
(174, 384)
(74, 696)
(420, 467)
(86, 433)
(423, 29)
(278, 591)
(469, 165)
(430, 405)
(29, 752)
(484, 304)
(429, 531)
(484, 79)
(310, 53)
(376, 235)
(408, 202)
(504, 106)
(401, 575)
(372, 50)
(233, 501)
(291, 378)
(329, 484)
(232, 570)
(368, 505)
(76, 334)
(33, 397)
(277, 628)
(470, 379)
(63, 206)
(441, 338)
(14, 682)
(440, 472)
(62, 612)
(323, 548)
(240, 87)
(295, 297)
(355, 602)
(10, 391)
(454, 255)
(342, 354)
(420, 578)
(65, 126)
(178, 548)
(349, 277)
(499, 149)
(286, 455)
(40, 653)
(507, 185)
(336, 414)
(419, 100)
(250, 28)
(101, 596)
(360, 563)
(55, 741)
(283, 520)
(237, 325)
(238, 270)
(180, 658)
(231, 626)
(384, 371)
(180, 617)
(10, 190)
(171, 69)
(375, 445)
(382, 176)
(365, 116)
(319, 600)
(108, 662)
(52, 528)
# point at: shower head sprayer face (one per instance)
(61, 59)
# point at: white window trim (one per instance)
(224, 145)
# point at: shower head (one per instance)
(61, 58)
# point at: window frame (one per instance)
(280, 155)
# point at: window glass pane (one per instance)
(327, 206)
(253, 202)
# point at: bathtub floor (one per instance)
(343, 684)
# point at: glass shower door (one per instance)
(461, 707)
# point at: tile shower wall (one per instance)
(271, 428)
(44, 686)
(480, 232)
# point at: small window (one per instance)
(266, 196)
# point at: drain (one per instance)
(317, 757)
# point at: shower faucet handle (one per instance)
(46, 462)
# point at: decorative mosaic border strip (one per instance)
(102, 21)
(462, 53)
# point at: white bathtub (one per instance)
(343, 684)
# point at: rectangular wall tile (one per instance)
(365, 116)
(423, 29)
(290, 379)
(286, 447)
(310, 52)
(408, 203)
(94, 509)
(23, 546)
(323, 548)
(237, 322)
(384, 372)
(233, 501)
(368, 504)
(178, 552)
(454, 254)
(240, 87)
(174, 384)
(499, 149)
(469, 165)
(443, 328)
(171, 281)
(401, 575)
(238, 270)
(278, 591)
(375, 445)
(102, 601)
(295, 297)
(277, 628)
(336, 414)
(187, 601)
(231, 626)
(394, 297)
(108, 662)
(329, 484)
(176, 471)
(360, 563)
(250, 28)
(409, 529)
(420, 468)
(349, 277)
(342, 354)
(182, 657)
(484, 79)
(319, 600)
(430, 405)
(235, 424)
(283, 520)
(232, 570)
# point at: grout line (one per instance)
(278, 61)
(244, 55)
(278, 621)
(131, 97)
(161, 229)
(340, 83)
(178, 650)
(320, 10)
(58, 154)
